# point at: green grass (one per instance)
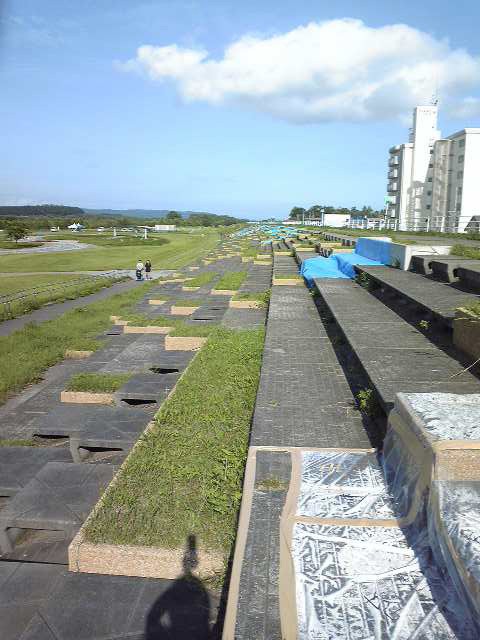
(261, 297)
(12, 284)
(182, 249)
(472, 253)
(6, 244)
(18, 443)
(180, 327)
(97, 382)
(474, 307)
(231, 280)
(250, 252)
(185, 475)
(201, 280)
(56, 293)
(36, 347)
(288, 276)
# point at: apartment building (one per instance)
(434, 182)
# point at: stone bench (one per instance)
(395, 356)
(422, 263)
(435, 298)
(469, 276)
(446, 270)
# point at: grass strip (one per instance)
(18, 443)
(68, 292)
(288, 276)
(97, 382)
(185, 475)
(34, 348)
(180, 327)
(462, 250)
(261, 297)
(231, 280)
(201, 279)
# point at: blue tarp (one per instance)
(320, 268)
(379, 250)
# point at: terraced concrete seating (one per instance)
(394, 355)
(469, 276)
(435, 298)
(446, 270)
(58, 498)
(422, 263)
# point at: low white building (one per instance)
(164, 227)
(337, 220)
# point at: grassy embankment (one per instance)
(178, 250)
(36, 347)
(41, 290)
(185, 475)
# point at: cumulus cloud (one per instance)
(333, 70)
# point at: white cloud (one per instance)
(334, 70)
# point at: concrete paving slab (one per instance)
(59, 497)
(150, 386)
(94, 426)
(18, 465)
(23, 588)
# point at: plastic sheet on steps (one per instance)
(343, 485)
(357, 574)
(368, 583)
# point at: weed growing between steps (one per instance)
(97, 382)
(260, 297)
(200, 280)
(185, 475)
(27, 353)
(231, 280)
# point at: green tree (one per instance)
(297, 213)
(16, 230)
(172, 216)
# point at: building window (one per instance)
(461, 143)
(461, 158)
(430, 180)
(429, 193)
(459, 175)
(429, 206)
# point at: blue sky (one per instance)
(234, 107)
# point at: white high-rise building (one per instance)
(434, 182)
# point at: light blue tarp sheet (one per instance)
(320, 268)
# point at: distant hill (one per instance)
(47, 210)
(137, 213)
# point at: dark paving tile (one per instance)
(18, 465)
(59, 497)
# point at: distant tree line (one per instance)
(297, 213)
(44, 216)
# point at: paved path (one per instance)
(55, 310)
(51, 247)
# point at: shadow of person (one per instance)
(183, 611)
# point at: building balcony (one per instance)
(393, 162)
(392, 186)
(393, 173)
(394, 149)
